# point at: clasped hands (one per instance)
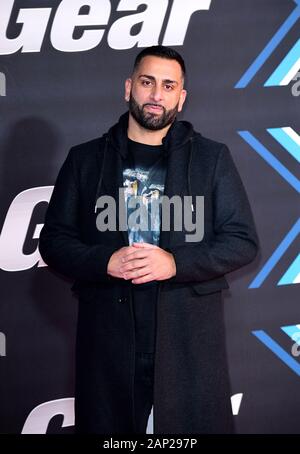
(142, 262)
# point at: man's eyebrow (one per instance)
(167, 81)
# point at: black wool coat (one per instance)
(191, 385)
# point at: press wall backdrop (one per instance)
(62, 70)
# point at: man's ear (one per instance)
(128, 84)
(182, 99)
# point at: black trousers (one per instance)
(143, 390)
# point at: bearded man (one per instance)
(150, 321)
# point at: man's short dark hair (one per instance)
(162, 52)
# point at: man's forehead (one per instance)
(159, 67)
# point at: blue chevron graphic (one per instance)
(269, 49)
(287, 69)
(270, 159)
(293, 332)
(293, 271)
(285, 137)
(290, 140)
(292, 275)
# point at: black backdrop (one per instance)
(56, 98)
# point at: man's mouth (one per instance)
(154, 108)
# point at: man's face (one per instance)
(155, 92)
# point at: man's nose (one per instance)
(156, 93)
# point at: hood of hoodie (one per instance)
(177, 136)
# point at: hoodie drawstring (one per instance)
(189, 171)
(101, 172)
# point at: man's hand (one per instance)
(144, 262)
(115, 261)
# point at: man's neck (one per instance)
(139, 134)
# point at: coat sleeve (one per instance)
(235, 242)
(60, 244)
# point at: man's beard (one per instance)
(149, 120)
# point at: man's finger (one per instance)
(133, 264)
(137, 254)
(136, 273)
(143, 280)
(144, 245)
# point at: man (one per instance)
(150, 323)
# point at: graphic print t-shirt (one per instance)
(144, 175)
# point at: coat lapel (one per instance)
(111, 182)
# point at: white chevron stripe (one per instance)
(292, 134)
(291, 74)
(297, 281)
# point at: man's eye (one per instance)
(146, 83)
(169, 87)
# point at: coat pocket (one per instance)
(211, 286)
